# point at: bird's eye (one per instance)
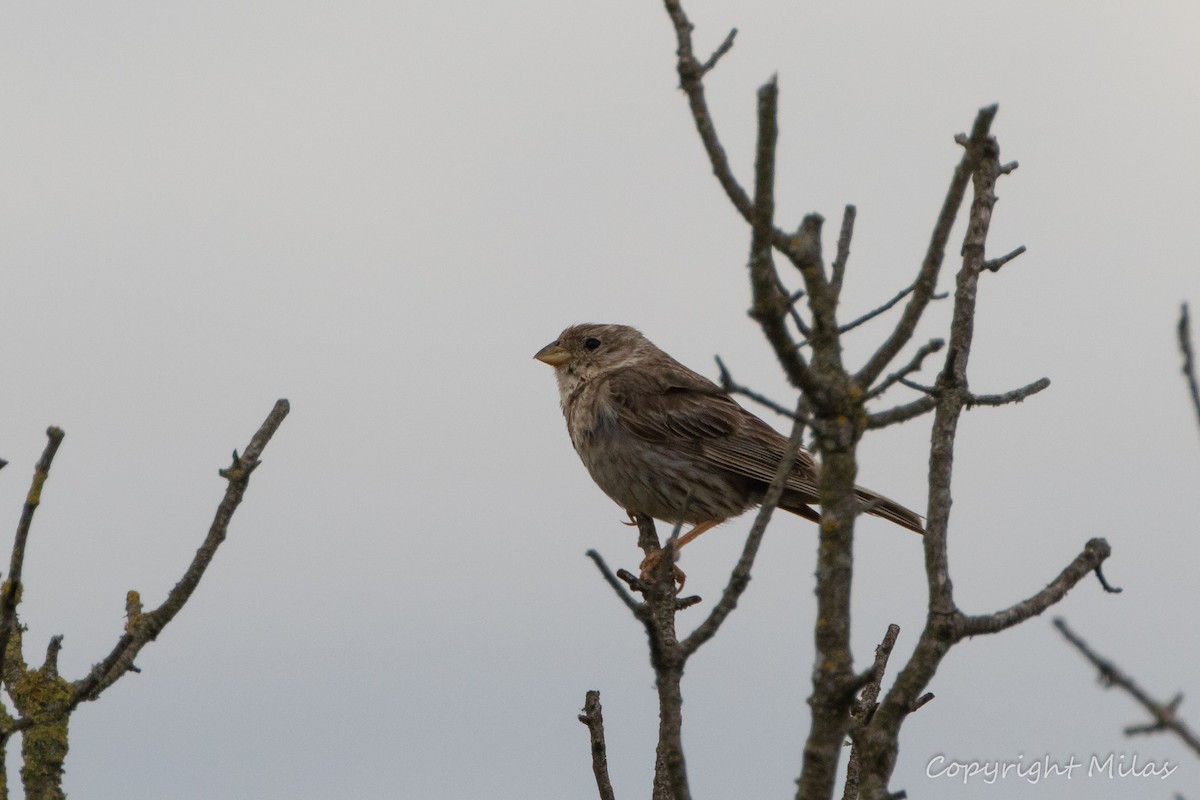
(591, 343)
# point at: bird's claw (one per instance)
(650, 563)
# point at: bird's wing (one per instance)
(685, 409)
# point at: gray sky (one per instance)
(382, 210)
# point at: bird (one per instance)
(667, 442)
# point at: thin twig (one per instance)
(1015, 396)
(932, 346)
(691, 80)
(593, 718)
(143, 629)
(721, 50)
(739, 579)
(864, 707)
(1092, 556)
(837, 270)
(1164, 714)
(927, 276)
(994, 264)
(923, 405)
(10, 594)
(901, 413)
(770, 305)
(870, 315)
(630, 603)
(670, 771)
(730, 386)
(1189, 363)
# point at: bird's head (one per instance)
(585, 352)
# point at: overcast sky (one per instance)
(382, 210)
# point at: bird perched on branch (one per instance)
(664, 441)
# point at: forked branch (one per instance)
(1164, 715)
(142, 628)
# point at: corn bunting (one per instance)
(664, 441)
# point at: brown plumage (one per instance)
(664, 441)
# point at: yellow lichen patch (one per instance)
(41, 696)
(35, 490)
(133, 610)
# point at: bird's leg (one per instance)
(649, 562)
(632, 519)
(695, 532)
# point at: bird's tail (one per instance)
(879, 506)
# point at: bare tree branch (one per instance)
(994, 265)
(864, 707)
(835, 400)
(593, 718)
(770, 304)
(670, 771)
(923, 405)
(926, 280)
(10, 593)
(946, 624)
(730, 386)
(1189, 363)
(630, 603)
(875, 312)
(143, 628)
(837, 272)
(1014, 396)
(1093, 555)
(933, 346)
(740, 578)
(901, 413)
(1164, 714)
(721, 50)
(691, 80)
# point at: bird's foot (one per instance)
(650, 564)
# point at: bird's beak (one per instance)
(553, 354)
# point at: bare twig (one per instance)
(1189, 363)
(927, 276)
(721, 50)
(143, 628)
(920, 701)
(901, 413)
(630, 603)
(691, 80)
(740, 577)
(994, 264)
(946, 624)
(875, 312)
(923, 405)
(10, 593)
(912, 366)
(593, 718)
(1093, 555)
(870, 315)
(730, 386)
(1014, 396)
(1104, 582)
(1164, 714)
(670, 772)
(864, 707)
(770, 304)
(837, 271)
